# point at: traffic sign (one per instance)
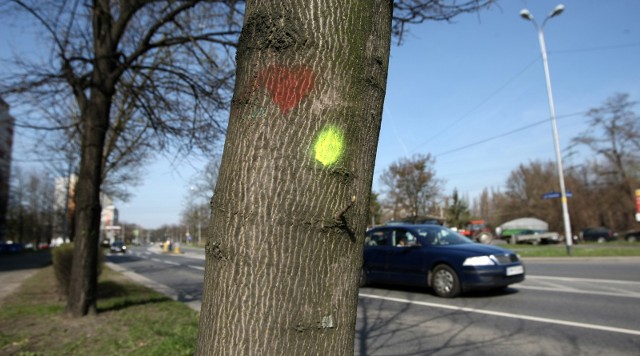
(555, 195)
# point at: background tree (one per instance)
(162, 55)
(411, 186)
(203, 184)
(490, 206)
(457, 213)
(195, 220)
(482, 206)
(613, 136)
(196, 211)
(524, 192)
(375, 210)
(30, 210)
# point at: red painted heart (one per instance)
(287, 86)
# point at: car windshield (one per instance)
(440, 236)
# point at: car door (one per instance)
(404, 260)
(376, 244)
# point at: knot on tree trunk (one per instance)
(212, 249)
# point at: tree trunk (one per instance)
(84, 274)
(284, 249)
(83, 287)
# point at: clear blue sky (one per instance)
(452, 85)
(456, 89)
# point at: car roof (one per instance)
(408, 225)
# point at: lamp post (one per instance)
(525, 14)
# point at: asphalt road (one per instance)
(565, 307)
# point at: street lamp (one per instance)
(525, 14)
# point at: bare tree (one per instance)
(159, 56)
(525, 188)
(203, 184)
(375, 210)
(602, 187)
(30, 212)
(196, 207)
(481, 206)
(613, 135)
(408, 12)
(411, 185)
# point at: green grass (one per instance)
(609, 249)
(131, 320)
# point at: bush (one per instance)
(62, 261)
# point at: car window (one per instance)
(376, 238)
(438, 236)
(403, 238)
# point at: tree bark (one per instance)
(83, 289)
(284, 248)
(84, 276)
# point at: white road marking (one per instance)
(614, 288)
(590, 280)
(196, 267)
(171, 263)
(626, 294)
(506, 315)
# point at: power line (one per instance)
(513, 78)
(594, 49)
(505, 134)
(480, 104)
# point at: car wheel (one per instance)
(601, 240)
(445, 282)
(485, 238)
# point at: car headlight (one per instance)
(479, 261)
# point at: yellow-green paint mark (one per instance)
(329, 145)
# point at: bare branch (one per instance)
(411, 12)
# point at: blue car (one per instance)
(434, 256)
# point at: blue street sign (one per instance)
(555, 195)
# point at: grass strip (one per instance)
(131, 320)
(609, 249)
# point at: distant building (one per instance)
(63, 205)
(6, 143)
(64, 208)
(109, 228)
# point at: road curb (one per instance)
(151, 284)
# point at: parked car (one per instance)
(535, 237)
(118, 247)
(11, 247)
(598, 234)
(632, 236)
(434, 256)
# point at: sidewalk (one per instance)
(15, 269)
